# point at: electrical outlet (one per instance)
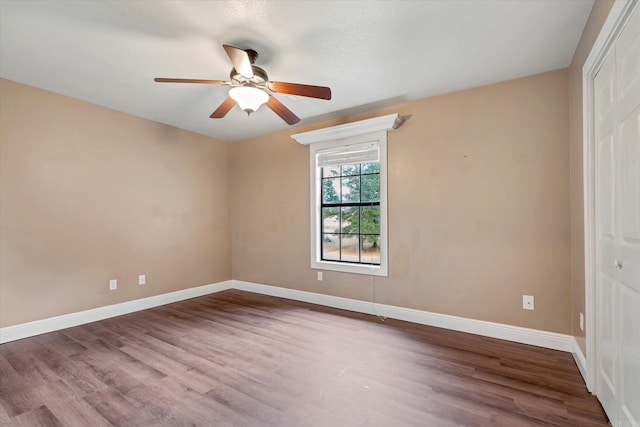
(142, 279)
(581, 322)
(320, 276)
(113, 284)
(527, 302)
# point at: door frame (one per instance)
(620, 13)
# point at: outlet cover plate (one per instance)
(113, 284)
(142, 279)
(527, 302)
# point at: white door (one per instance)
(617, 198)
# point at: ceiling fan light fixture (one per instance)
(248, 98)
(251, 87)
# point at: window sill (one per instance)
(369, 270)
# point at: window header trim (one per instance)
(348, 130)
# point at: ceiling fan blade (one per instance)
(240, 60)
(207, 82)
(320, 92)
(284, 113)
(223, 109)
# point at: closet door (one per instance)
(628, 245)
(617, 131)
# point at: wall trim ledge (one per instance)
(551, 340)
(37, 327)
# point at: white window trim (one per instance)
(365, 131)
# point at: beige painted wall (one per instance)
(598, 15)
(88, 194)
(478, 207)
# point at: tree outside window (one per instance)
(350, 204)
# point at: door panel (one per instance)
(628, 55)
(604, 99)
(605, 189)
(628, 65)
(629, 245)
(607, 337)
(630, 191)
(604, 86)
(630, 366)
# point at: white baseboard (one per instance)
(518, 334)
(37, 327)
(580, 359)
(479, 327)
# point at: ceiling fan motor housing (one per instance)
(259, 79)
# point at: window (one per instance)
(350, 211)
(348, 186)
(348, 205)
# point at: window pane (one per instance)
(351, 233)
(370, 220)
(371, 167)
(350, 169)
(329, 171)
(350, 220)
(350, 247)
(331, 247)
(351, 189)
(331, 190)
(371, 249)
(331, 220)
(371, 188)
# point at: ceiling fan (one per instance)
(251, 87)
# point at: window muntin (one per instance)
(350, 213)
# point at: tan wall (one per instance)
(478, 207)
(88, 194)
(598, 15)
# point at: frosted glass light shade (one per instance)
(248, 98)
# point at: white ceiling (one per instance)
(371, 53)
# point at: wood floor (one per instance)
(242, 359)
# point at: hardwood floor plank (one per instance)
(67, 407)
(33, 372)
(102, 354)
(173, 402)
(16, 397)
(76, 375)
(241, 359)
(4, 417)
(117, 410)
(40, 416)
